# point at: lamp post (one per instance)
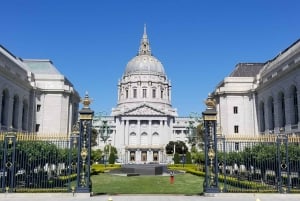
(210, 147)
(8, 161)
(104, 134)
(183, 158)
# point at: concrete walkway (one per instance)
(86, 197)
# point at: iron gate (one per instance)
(36, 163)
(259, 164)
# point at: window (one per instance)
(134, 93)
(295, 104)
(144, 93)
(235, 110)
(236, 146)
(37, 127)
(126, 93)
(236, 129)
(161, 94)
(38, 107)
(153, 93)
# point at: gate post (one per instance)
(9, 156)
(283, 165)
(84, 147)
(211, 162)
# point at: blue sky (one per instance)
(198, 42)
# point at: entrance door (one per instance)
(144, 156)
(132, 156)
(155, 156)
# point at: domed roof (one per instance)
(144, 62)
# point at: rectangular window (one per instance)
(161, 94)
(144, 93)
(235, 110)
(37, 127)
(236, 146)
(153, 93)
(126, 93)
(236, 129)
(134, 93)
(38, 107)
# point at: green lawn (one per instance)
(112, 184)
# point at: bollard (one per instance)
(257, 199)
(171, 177)
(110, 199)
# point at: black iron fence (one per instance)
(259, 164)
(37, 163)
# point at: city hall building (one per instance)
(35, 96)
(261, 98)
(143, 121)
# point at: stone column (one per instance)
(20, 114)
(126, 132)
(289, 112)
(149, 134)
(150, 155)
(138, 135)
(9, 106)
(277, 114)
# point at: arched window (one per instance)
(153, 92)
(134, 92)
(144, 139)
(155, 139)
(24, 115)
(281, 104)
(271, 114)
(262, 116)
(15, 113)
(126, 93)
(4, 108)
(132, 139)
(295, 115)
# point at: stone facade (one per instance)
(144, 121)
(261, 98)
(35, 97)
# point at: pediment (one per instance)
(144, 110)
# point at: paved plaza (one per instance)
(86, 197)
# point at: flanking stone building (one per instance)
(144, 121)
(261, 98)
(35, 96)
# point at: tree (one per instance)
(112, 158)
(170, 147)
(200, 133)
(180, 147)
(32, 154)
(94, 136)
(176, 158)
(188, 158)
(96, 155)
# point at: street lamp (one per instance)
(183, 158)
(210, 145)
(104, 134)
(191, 136)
